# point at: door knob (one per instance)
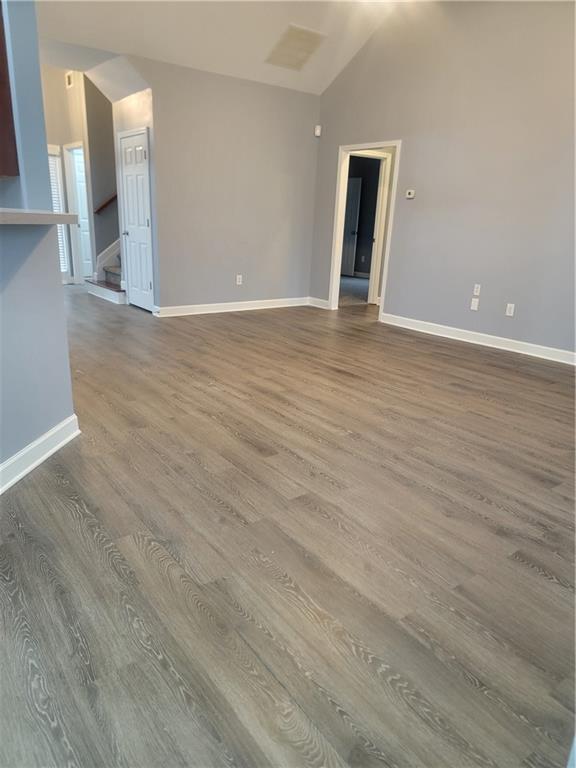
(125, 233)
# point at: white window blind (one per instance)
(57, 189)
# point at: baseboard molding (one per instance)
(116, 297)
(230, 306)
(319, 303)
(483, 339)
(17, 466)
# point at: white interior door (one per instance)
(135, 206)
(78, 204)
(378, 246)
(351, 225)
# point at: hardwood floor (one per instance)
(292, 538)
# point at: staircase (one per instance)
(113, 274)
(110, 288)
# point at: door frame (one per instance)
(386, 200)
(120, 190)
(70, 182)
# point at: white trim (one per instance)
(17, 466)
(233, 306)
(379, 227)
(54, 150)
(116, 297)
(373, 149)
(132, 132)
(319, 303)
(484, 339)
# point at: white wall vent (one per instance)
(295, 47)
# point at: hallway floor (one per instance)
(292, 538)
(353, 290)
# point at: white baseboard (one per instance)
(17, 466)
(319, 303)
(484, 339)
(116, 297)
(230, 306)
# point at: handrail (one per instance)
(106, 202)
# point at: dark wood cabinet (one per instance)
(8, 151)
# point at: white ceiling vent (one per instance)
(295, 47)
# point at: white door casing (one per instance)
(374, 286)
(381, 251)
(136, 239)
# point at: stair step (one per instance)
(113, 274)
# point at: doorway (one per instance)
(77, 189)
(359, 229)
(135, 213)
(365, 195)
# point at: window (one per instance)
(59, 206)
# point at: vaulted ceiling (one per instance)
(230, 38)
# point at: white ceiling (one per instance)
(229, 38)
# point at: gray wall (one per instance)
(83, 113)
(35, 390)
(102, 164)
(482, 96)
(31, 189)
(235, 176)
(63, 107)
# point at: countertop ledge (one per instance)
(37, 218)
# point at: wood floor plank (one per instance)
(292, 538)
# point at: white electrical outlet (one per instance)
(510, 310)
(474, 304)
(477, 287)
(239, 279)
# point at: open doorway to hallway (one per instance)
(79, 130)
(100, 170)
(366, 188)
(359, 229)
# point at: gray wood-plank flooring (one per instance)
(292, 538)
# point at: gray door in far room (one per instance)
(351, 226)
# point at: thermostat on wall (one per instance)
(410, 194)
